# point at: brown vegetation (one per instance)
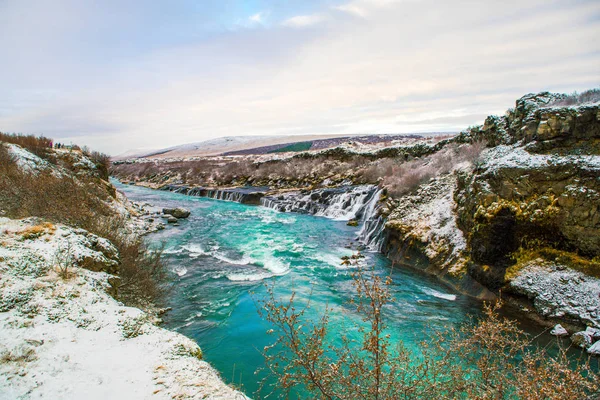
(490, 359)
(398, 174)
(38, 145)
(86, 202)
(588, 96)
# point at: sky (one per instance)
(118, 75)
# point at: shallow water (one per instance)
(225, 251)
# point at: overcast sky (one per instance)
(118, 74)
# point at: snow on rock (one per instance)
(559, 292)
(65, 337)
(27, 161)
(558, 330)
(582, 339)
(594, 349)
(517, 157)
(429, 217)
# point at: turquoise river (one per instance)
(225, 253)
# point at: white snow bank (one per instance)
(27, 161)
(68, 339)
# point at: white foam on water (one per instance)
(195, 249)
(334, 259)
(194, 316)
(248, 276)
(439, 295)
(297, 248)
(245, 260)
(173, 251)
(180, 271)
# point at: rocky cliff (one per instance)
(528, 204)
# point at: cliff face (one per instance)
(529, 204)
(515, 199)
(542, 188)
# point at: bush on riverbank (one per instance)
(83, 201)
(490, 359)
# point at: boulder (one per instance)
(558, 330)
(172, 220)
(178, 212)
(594, 349)
(593, 332)
(582, 339)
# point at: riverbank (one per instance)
(62, 335)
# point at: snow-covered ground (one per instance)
(557, 291)
(63, 337)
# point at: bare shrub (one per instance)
(399, 175)
(490, 359)
(589, 96)
(38, 145)
(144, 274)
(101, 160)
(85, 203)
(472, 152)
(63, 260)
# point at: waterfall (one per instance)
(341, 204)
(344, 203)
(245, 195)
(371, 232)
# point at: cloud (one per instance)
(363, 8)
(302, 21)
(156, 76)
(258, 18)
(352, 9)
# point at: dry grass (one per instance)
(589, 96)
(83, 202)
(33, 232)
(21, 354)
(572, 260)
(38, 145)
(397, 174)
(401, 177)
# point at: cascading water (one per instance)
(244, 195)
(341, 204)
(372, 233)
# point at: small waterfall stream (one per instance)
(371, 233)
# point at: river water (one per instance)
(224, 253)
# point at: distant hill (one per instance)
(243, 145)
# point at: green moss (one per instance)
(538, 209)
(460, 268)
